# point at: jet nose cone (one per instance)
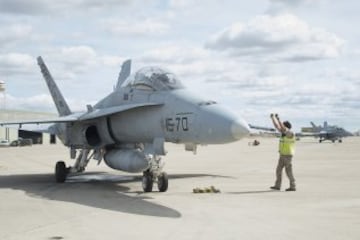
(217, 125)
(239, 129)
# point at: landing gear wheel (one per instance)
(320, 141)
(61, 172)
(163, 182)
(147, 182)
(340, 141)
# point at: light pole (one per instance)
(2, 90)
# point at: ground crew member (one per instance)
(286, 151)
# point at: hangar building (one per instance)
(12, 133)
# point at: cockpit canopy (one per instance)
(153, 78)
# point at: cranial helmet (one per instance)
(287, 124)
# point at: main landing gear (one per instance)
(61, 171)
(155, 175)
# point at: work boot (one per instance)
(275, 188)
(290, 189)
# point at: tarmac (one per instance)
(106, 204)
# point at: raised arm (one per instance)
(274, 121)
(277, 123)
(281, 124)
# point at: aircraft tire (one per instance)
(60, 172)
(340, 141)
(147, 182)
(163, 182)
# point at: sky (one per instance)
(298, 58)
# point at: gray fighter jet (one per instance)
(128, 128)
(326, 132)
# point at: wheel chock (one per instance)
(210, 189)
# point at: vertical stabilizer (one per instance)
(60, 103)
(313, 125)
(124, 73)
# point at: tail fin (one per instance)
(61, 105)
(124, 73)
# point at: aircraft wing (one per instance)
(69, 118)
(307, 134)
(102, 112)
(96, 113)
(262, 128)
(43, 128)
(315, 134)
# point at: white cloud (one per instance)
(280, 6)
(22, 6)
(14, 32)
(16, 63)
(257, 83)
(184, 61)
(74, 59)
(282, 37)
(136, 28)
(197, 66)
(180, 3)
(78, 54)
(112, 61)
(81, 58)
(42, 102)
(185, 4)
(295, 2)
(175, 54)
(35, 7)
(345, 75)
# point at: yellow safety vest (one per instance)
(287, 145)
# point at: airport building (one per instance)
(13, 132)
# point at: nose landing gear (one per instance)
(155, 175)
(149, 179)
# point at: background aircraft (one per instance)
(326, 132)
(128, 128)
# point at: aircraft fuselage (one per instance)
(180, 117)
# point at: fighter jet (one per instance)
(129, 127)
(327, 132)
